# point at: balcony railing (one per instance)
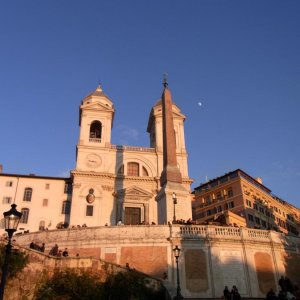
(95, 140)
(132, 148)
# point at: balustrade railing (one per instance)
(94, 140)
(210, 231)
(132, 148)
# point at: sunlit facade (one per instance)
(236, 197)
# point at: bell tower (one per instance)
(96, 122)
(92, 199)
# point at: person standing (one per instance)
(226, 293)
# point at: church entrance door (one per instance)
(132, 215)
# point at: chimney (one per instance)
(1, 168)
(259, 180)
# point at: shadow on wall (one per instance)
(117, 211)
(292, 260)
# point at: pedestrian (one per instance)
(271, 295)
(226, 293)
(65, 253)
(54, 250)
(235, 293)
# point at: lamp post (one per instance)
(178, 296)
(11, 221)
(174, 202)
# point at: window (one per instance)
(214, 183)
(234, 175)
(6, 200)
(95, 131)
(224, 179)
(45, 202)
(207, 200)
(89, 210)
(219, 208)
(250, 218)
(9, 183)
(263, 223)
(133, 169)
(47, 186)
(27, 194)
(66, 207)
(145, 172)
(255, 206)
(261, 210)
(25, 215)
(42, 226)
(229, 205)
(229, 193)
(68, 188)
(257, 220)
(219, 195)
(249, 203)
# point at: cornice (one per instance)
(92, 174)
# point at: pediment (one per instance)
(97, 106)
(134, 191)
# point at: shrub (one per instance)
(131, 286)
(69, 285)
(17, 261)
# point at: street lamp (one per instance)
(174, 202)
(11, 221)
(178, 296)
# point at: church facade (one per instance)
(110, 184)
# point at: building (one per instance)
(238, 199)
(111, 183)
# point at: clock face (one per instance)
(93, 160)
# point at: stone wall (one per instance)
(42, 266)
(211, 256)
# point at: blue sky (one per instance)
(240, 59)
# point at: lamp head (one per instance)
(11, 219)
(176, 251)
(174, 198)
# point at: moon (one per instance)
(199, 103)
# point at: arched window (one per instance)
(27, 194)
(42, 226)
(95, 131)
(145, 172)
(25, 215)
(65, 210)
(133, 169)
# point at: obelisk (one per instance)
(170, 208)
(171, 172)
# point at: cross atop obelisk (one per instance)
(171, 172)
